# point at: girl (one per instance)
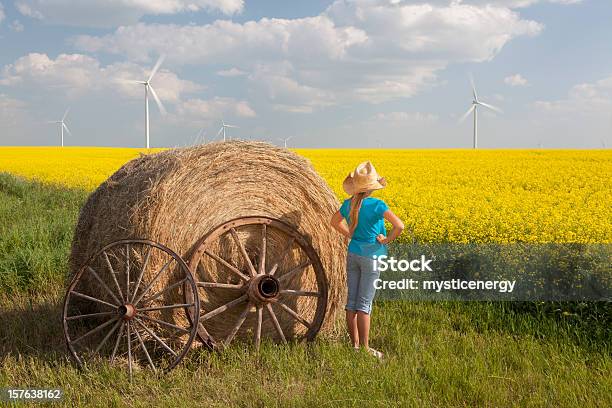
(361, 218)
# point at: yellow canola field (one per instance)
(442, 195)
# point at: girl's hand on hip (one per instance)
(382, 239)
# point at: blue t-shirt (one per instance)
(371, 223)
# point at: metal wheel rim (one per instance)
(189, 282)
(321, 279)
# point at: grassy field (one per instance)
(437, 354)
(441, 354)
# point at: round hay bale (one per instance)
(177, 196)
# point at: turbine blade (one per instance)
(159, 103)
(65, 114)
(231, 126)
(220, 130)
(160, 60)
(490, 107)
(467, 113)
(66, 127)
(473, 87)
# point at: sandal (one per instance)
(375, 353)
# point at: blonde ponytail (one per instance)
(356, 201)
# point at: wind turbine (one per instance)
(149, 88)
(223, 127)
(285, 140)
(62, 126)
(474, 108)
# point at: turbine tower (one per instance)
(474, 108)
(223, 127)
(149, 88)
(62, 126)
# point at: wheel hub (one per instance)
(263, 288)
(127, 311)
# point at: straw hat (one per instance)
(363, 178)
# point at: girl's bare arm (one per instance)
(398, 227)
(340, 225)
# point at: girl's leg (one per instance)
(351, 322)
(367, 290)
(352, 281)
(363, 326)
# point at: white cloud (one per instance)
(2, 15)
(516, 80)
(285, 93)
(232, 72)
(108, 13)
(215, 108)
(363, 50)
(12, 111)
(77, 74)
(506, 3)
(593, 99)
(16, 26)
(406, 117)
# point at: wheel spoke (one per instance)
(299, 293)
(117, 341)
(150, 309)
(145, 350)
(243, 251)
(293, 271)
(227, 265)
(110, 292)
(282, 256)
(104, 340)
(94, 330)
(82, 295)
(112, 272)
(163, 323)
(223, 308)
(150, 285)
(144, 267)
(262, 256)
(127, 271)
(129, 347)
(137, 320)
(294, 314)
(169, 288)
(275, 321)
(90, 315)
(220, 285)
(238, 324)
(258, 327)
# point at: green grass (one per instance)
(36, 227)
(440, 354)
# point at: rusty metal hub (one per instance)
(127, 311)
(263, 288)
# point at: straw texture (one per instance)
(177, 196)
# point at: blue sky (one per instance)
(344, 73)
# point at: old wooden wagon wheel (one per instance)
(258, 277)
(119, 309)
